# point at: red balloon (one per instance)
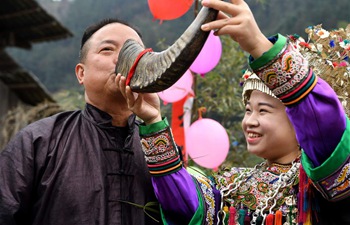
(169, 9)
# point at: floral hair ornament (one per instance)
(250, 82)
(328, 55)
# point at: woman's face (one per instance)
(268, 130)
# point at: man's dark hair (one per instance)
(89, 31)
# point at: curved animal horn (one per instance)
(157, 71)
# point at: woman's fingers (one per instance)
(226, 16)
(229, 8)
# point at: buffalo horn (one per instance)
(157, 71)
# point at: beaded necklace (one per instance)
(270, 199)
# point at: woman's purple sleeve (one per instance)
(319, 121)
(177, 193)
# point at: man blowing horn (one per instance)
(87, 166)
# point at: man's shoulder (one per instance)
(48, 124)
(53, 119)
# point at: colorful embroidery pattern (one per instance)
(288, 76)
(256, 187)
(336, 186)
(161, 153)
(207, 192)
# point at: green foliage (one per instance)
(70, 99)
(289, 17)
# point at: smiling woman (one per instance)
(268, 131)
(289, 115)
(269, 135)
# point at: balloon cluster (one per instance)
(207, 142)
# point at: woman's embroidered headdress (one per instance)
(253, 82)
(328, 55)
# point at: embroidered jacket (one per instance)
(322, 128)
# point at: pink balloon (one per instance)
(209, 56)
(178, 90)
(207, 143)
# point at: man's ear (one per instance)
(79, 72)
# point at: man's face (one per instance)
(97, 71)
